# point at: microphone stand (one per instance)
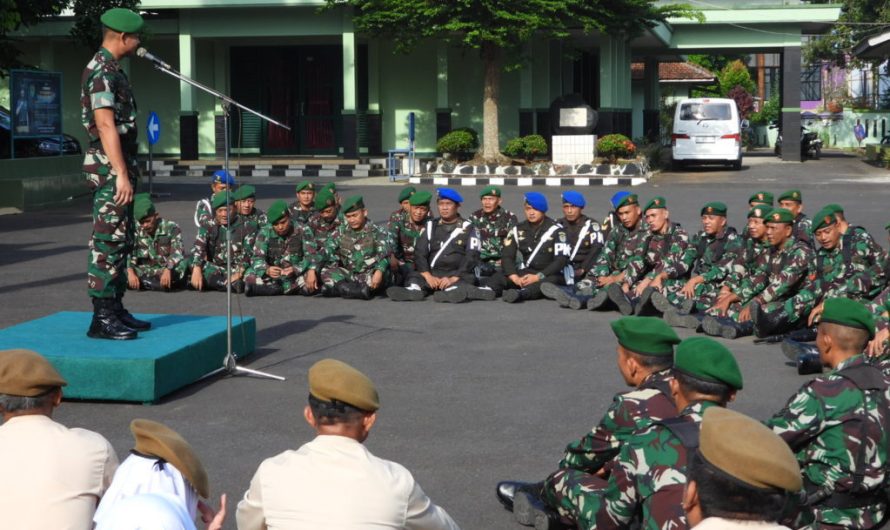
(230, 360)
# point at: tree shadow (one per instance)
(20, 253)
(43, 282)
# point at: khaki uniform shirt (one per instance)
(334, 482)
(52, 477)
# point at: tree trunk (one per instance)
(491, 58)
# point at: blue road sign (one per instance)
(154, 128)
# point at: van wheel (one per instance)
(737, 165)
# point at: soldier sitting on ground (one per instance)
(535, 251)
(645, 357)
(626, 239)
(792, 200)
(446, 256)
(403, 237)
(302, 208)
(761, 198)
(245, 206)
(690, 283)
(666, 239)
(354, 262)
(493, 223)
(281, 257)
(584, 234)
(209, 254)
(404, 209)
(204, 209)
(157, 262)
(836, 425)
(326, 218)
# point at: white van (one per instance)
(707, 130)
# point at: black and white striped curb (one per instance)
(528, 181)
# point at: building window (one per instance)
(811, 84)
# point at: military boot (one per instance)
(618, 297)
(726, 327)
(550, 520)
(353, 290)
(150, 284)
(562, 294)
(455, 294)
(673, 317)
(480, 293)
(264, 289)
(527, 503)
(598, 301)
(809, 363)
(217, 282)
(660, 301)
(513, 296)
(412, 293)
(127, 319)
(506, 492)
(795, 348)
(105, 323)
(766, 324)
(803, 335)
(643, 304)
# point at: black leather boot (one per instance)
(105, 323)
(643, 305)
(766, 324)
(620, 299)
(353, 290)
(809, 363)
(150, 284)
(562, 294)
(506, 491)
(127, 319)
(803, 335)
(266, 289)
(598, 301)
(527, 503)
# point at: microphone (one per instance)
(142, 52)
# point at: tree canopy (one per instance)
(87, 29)
(16, 14)
(858, 20)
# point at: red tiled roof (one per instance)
(676, 72)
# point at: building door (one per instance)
(300, 86)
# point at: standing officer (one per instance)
(108, 112)
(542, 248)
(157, 262)
(836, 425)
(493, 223)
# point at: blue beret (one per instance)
(574, 198)
(618, 197)
(222, 177)
(536, 200)
(450, 194)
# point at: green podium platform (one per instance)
(177, 351)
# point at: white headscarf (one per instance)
(138, 475)
(147, 511)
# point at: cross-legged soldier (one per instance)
(157, 262)
(209, 254)
(493, 222)
(281, 257)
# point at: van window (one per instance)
(705, 111)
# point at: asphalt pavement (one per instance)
(471, 394)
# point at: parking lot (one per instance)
(471, 394)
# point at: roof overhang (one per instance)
(874, 47)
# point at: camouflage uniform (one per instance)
(788, 271)
(299, 215)
(272, 250)
(354, 255)
(646, 481)
(654, 259)
(257, 217)
(204, 213)
(105, 85)
(403, 235)
(753, 263)
(840, 455)
(153, 254)
(713, 257)
(322, 230)
(492, 228)
(621, 247)
(803, 229)
(209, 251)
(588, 248)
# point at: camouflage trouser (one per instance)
(796, 308)
(567, 492)
(291, 285)
(819, 518)
(153, 273)
(705, 293)
(110, 243)
(331, 276)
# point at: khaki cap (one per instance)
(330, 379)
(748, 451)
(158, 440)
(27, 373)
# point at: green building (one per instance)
(346, 95)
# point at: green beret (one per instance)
(714, 208)
(356, 202)
(493, 191)
(645, 335)
(305, 185)
(823, 218)
(331, 380)
(781, 215)
(331, 187)
(761, 197)
(791, 195)
(834, 208)
(850, 313)
(628, 200)
(324, 199)
(277, 211)
(219, 200)
(244, 192)
(122, 20)
(748, 450)
(706, 359)
(656, 203)
(760, 212)
(406, 193)
(420, 198)
(142, 206)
